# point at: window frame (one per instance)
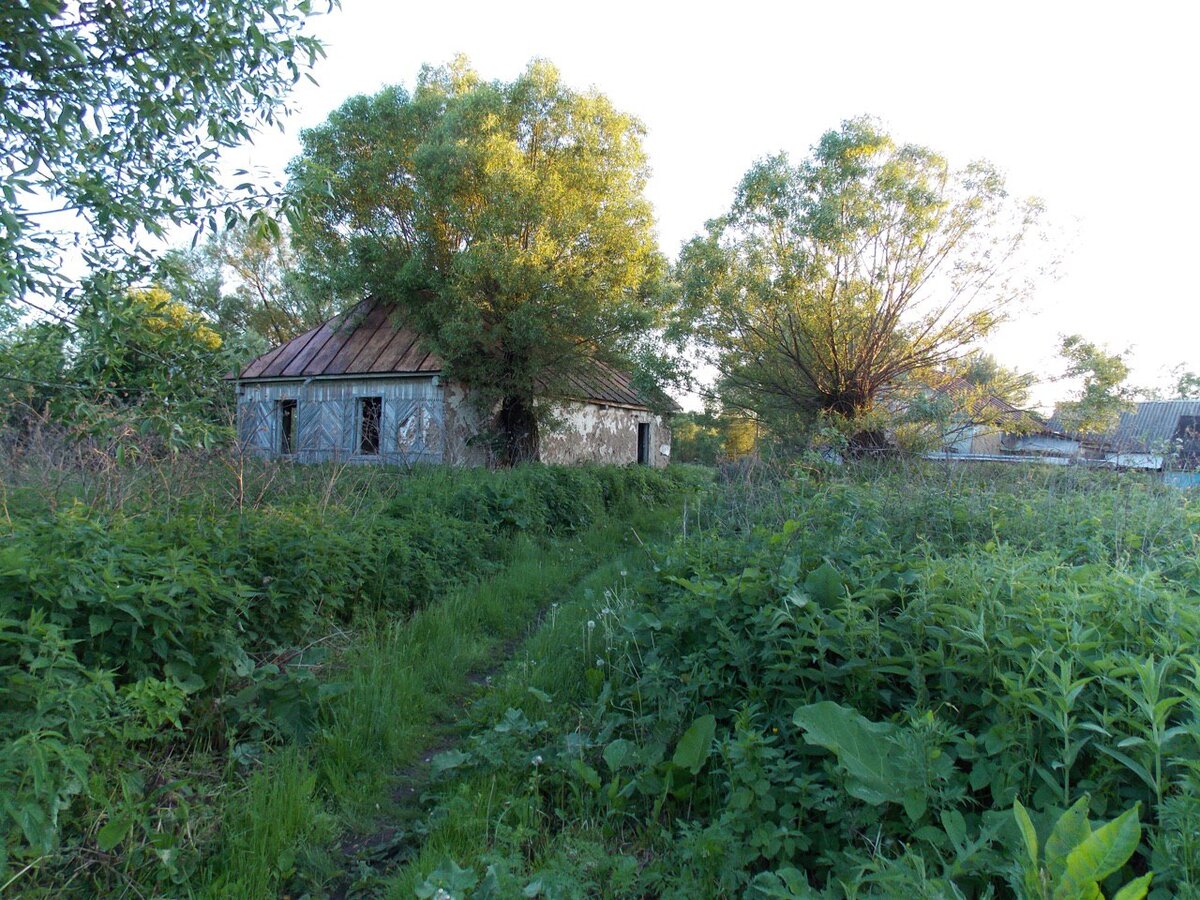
(360, 419)
(288, 412)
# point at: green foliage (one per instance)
(127, 634)
(114, 112)
(889, 659)
(265, 303)
(1103, 394)
(1078, 859)
(830, 281)
(134, 368)
(508, 219)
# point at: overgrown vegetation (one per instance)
(930, 683)
(158, 639)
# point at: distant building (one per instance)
(981, 422)
(1158, 436)
(361, 387)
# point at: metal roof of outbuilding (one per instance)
(371, 339)
(1149, 426)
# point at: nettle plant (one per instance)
(879, 667)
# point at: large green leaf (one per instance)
(824, 585)
(696, 744)
(1103, 852)
(1028, 833)
(1136, 889)
(1071, 830)
(864, 748)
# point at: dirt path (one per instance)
(371, 855)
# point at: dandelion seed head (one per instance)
(591, 624)
(536, 761)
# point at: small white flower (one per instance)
(591, 624)
(599, 662)
(537, 761)
(442, 894)
(605, 611)
(623, 573)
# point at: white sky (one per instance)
(1091, 106)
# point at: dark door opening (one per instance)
(643, 443)
(287, 427)
(370, 412)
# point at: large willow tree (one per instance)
(832, 283)
(507, 219)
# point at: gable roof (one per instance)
(364, 340)
(984, 407)
(370, 338)
(1149, 427)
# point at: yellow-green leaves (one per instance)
(832, 280)
(508, 219)
(1077, 859)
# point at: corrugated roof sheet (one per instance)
(1150, 426)
(371, 339)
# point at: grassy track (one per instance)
(406, 681)
(548, 679)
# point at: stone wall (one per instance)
(592, 432)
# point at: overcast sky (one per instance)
(1092, 107)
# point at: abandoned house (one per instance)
(360, 387)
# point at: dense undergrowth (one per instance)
(855, 684)
(160, 639)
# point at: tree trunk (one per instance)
(518, 427)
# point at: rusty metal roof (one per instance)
(367, 339)
(371, 339)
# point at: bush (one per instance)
(126, 627)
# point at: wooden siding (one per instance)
(412, 429)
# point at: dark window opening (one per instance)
(643, 443)
(1187, 441)
(287, 427)
(370, 412)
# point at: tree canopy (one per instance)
(112, 115)
(507, 218)
(1103, 393)
(831, 281)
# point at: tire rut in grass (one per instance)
(363, 856)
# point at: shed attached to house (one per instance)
(362, 387)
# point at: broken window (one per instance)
(643, 443)
(370, 412)
(287, 427)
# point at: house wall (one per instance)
(592, 432)
(973, 440)
(412, 426)
(426, 421)
(1044, 443)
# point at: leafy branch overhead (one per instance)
(112, 116)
